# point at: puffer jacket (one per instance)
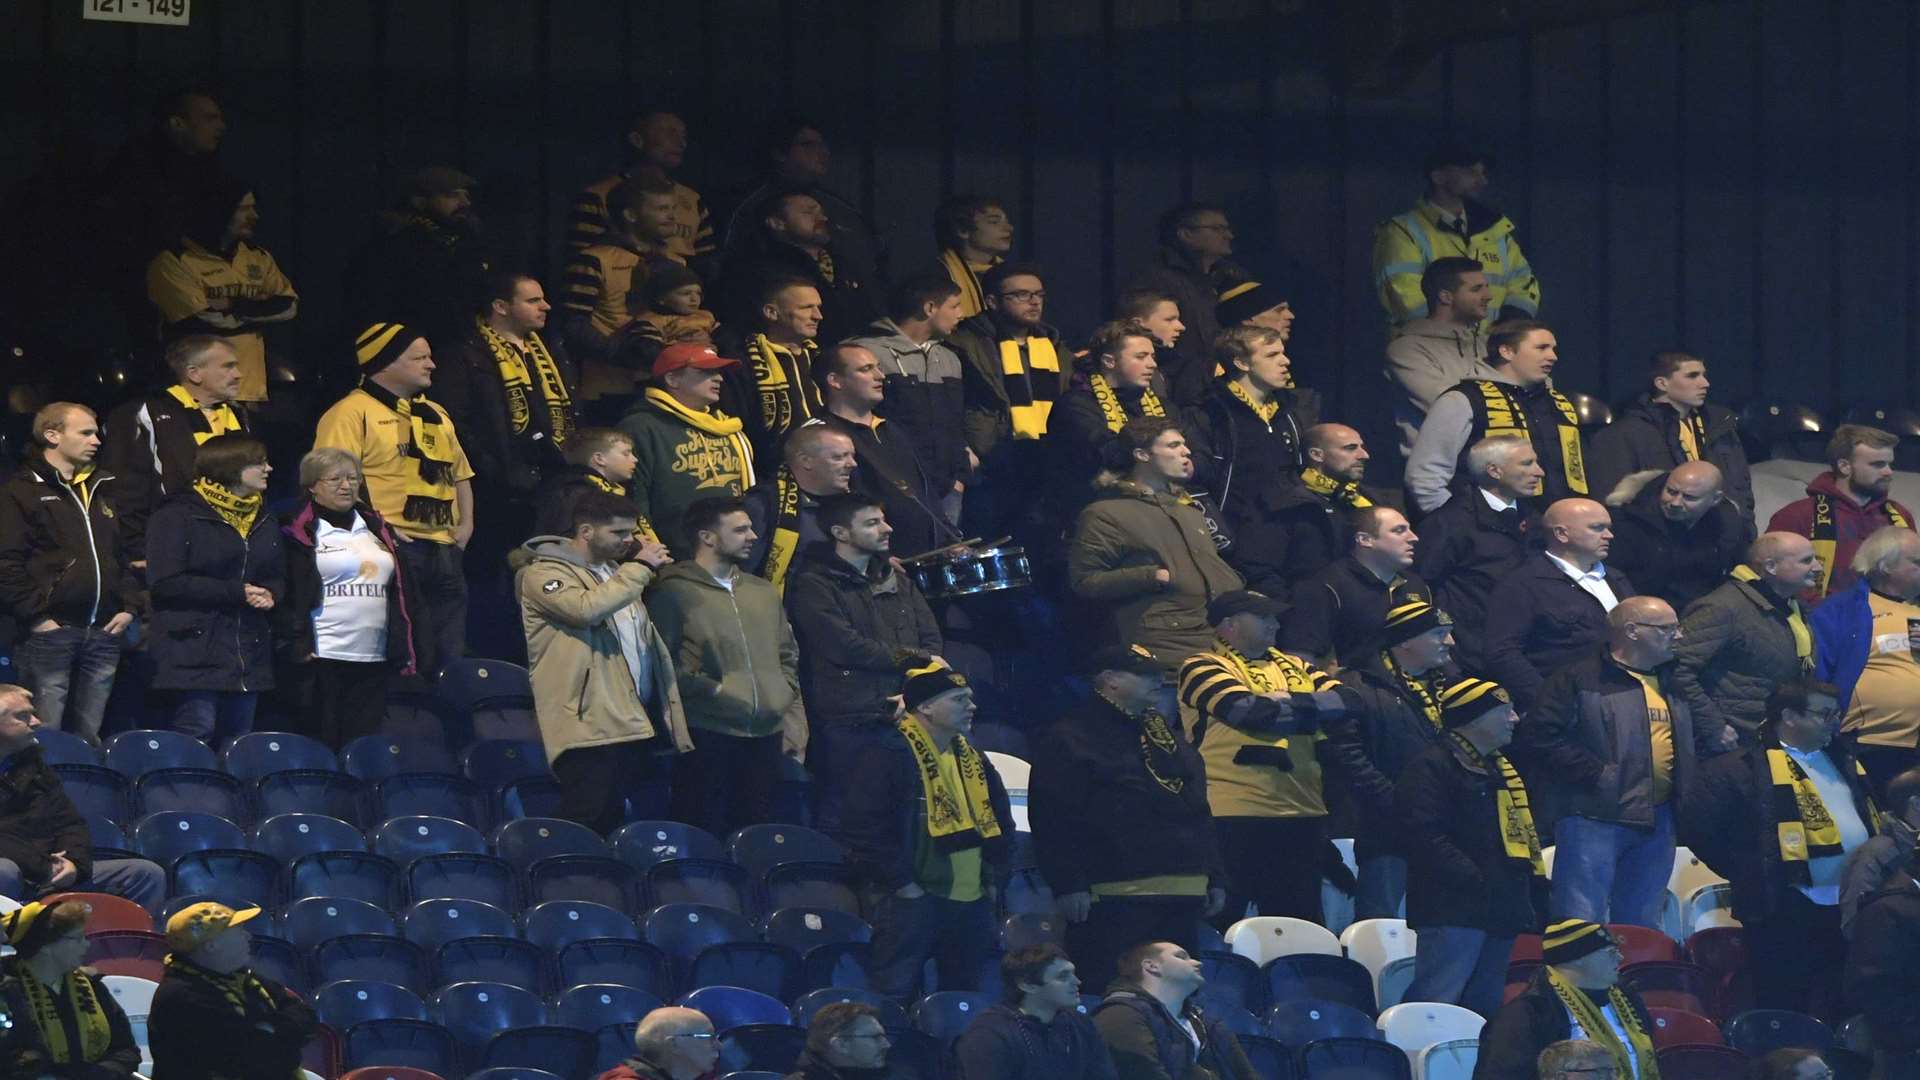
(1586, 750)
(1148, 1043)
(1427, 358)
(1126, 534)
(1646, 435)
(733, 651)
(204, 636)
(1735, 647)
(583, 692)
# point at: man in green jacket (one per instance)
(685, 447)
(738, 669)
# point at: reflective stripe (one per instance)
(1416, 228)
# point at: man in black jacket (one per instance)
(1883, 975)
(1037, 1032)
(1576, 995)
(845, 1041)
(1675, 533)
(64, 581)
(1552, 608)
(1248, 430)
(44, 843)
(1472, 543)
(1194, 268)
(1671, 425)
(1611, 749)
(817, 463)
(212, 1017)
(1117, 383)
(1748, 636)
(1153, 1028)
(1300, 533)
(428, 260)
(929, 835)
(1120, 821)
(890, 466)
(799, 159)
(1338, 612)
(794, 238)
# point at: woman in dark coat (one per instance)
(62, 1022)
(215, 571)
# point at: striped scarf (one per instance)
(1110, 407)
(784, 376)
(1802, 823)
(950, 827)
(1593, 1023)
(786, 528)
(1517, 831)
(96, 1031)
(429, 489)
(1345, 492)
(1265, 412)
(1416, 689)
(210, 420)
(1826, 532)
(518, 383)
(239, 511)
(972, 296)
(1505, 415)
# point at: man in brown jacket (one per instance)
(603, 682)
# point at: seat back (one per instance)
(1708, 906)
(810, 884)
(279, 960)
(1297, 1023)
(65, 748)
(1270, 1059)
(592, 1006)
(1759, 1032)
(1415, 1026)
(97, 791)
(699, 881)
(892, 1016)
(598, 879)
(133, 754)
(347, 1002)
(1639, 944)
(1375, 943)
(435, 796)
(460, 876)
(555, 924)
(1032, 928)
(108, 912)
(372, 758)
(731, 1006)
(1232, 979)
(615, 960)
(166, 836)
(235, 878)
(801, 929)
(773, 970)
(312, 791)
(641, 844)
(569, 1052)
(434, 922)
(1670, 984)
(475, 1011)
(1329, 978)
(1678, 1027)
(404, 839)
(307, 923)
(204, 791)
(525, 841)
(135, 998)
(375, 958)
(1356, 1059)
(772, 1048)
(258, 753)
(416, 1044)
(357, 875)
(538, 796)
(1454, 1059)
(1266, 937)
(286, 837)
(495, 763)
(1015, 772)
(760, 848)
(492, 959)
(682, 930)
(944, 1014)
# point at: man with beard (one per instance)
(1846, 504)
(1676, 534)
(1300, 533)
(428, 261)
(817, 462)
(795, 239)
(1016, 369)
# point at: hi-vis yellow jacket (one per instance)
(1403, 247)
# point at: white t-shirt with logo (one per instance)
(355, 574)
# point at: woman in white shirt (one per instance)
(345, 629)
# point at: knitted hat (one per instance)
(666, 280)
(30, 926)
(381, 343)
(1245, 300)
(1571, 939)
(1470, 699)
(1132, 659)
(1242, 602)
(197, 924)
(1409, 621)
(925, 684)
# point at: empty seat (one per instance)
(1639, 944)
(311, 791)
(495, 763)
(1232, 979)
(641, 844)
(1454, 1059)
(404, 839)
(802, 929)
(611, 960)
(278, 959)
(1297, 1023)
(525, 841)
(487, 699)
(475, 1011)
(235, 878)
(760, 848)
(892, 1016)
(307, 923)
(434, 796)
(772, 1048)
(414, 1044)
(1395, 980)
(592, 1006)
(1327, 978)
(130, 953)
(1238, 1021)
(258, 753)
(357, 875)
(699, 881)
(534, 797)
(841, 964)
(731, 1006)
(1266, 937)
(65, 748)
(773, 970)
(1375, 943)
(105, 833)
(598, 879)
(1021, 931)
(558, 923)
(1678, 1027)
(286, 837)
(205, 791)
(134, 754)
(348, 1002)
(564, 1050)
(1671, 985)
(1701, 1063)
(375, 757)
(373, 957)
(682, 930)
(1270, 1059)
(613, 1045)
(1759, 1032)
(810, 884)
(434, 922)
(97, 791)
(463, 877)
(135, 998)
(1417, 1025)
(166, 836)
(946, 1013)
(492, 959)
(1355, 1059)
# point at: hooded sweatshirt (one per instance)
(1852, 523)
(1425, 359)
(683, 455)
(733, 651)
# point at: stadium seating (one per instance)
(1355, 1059)
(699, 881)
(1297, 1023)
(609, 960)
(356, 875)
(496, 763)
(307, 923)
(1231, 979)
(1329, 978)
(892, 1016)
(1417, 1025)
(592, 1006)
(1266, 937)
(946, 1013)
(475, 1011)
(408, 1043)
(404, 839)
(769, 969)
(432, 923)
(97, 791)
(1022, 931)
(641, 844)
(373, 957)
(260, 753)
(567, 1051)
(1759, 1032)
(457, 876)
(372, 758)
(492, 959)
(1270, 1059)
(134, 754)
(1678, 1027)
(525, 841)
(205, 791)
(166, 836)
(597, 879)
(558, 923)
(348, 1002)
(287, 837)
(760, 848)
(235, 878)
(65, 748)
(434, 796)
(311, 791)
(771, 1048)
(1451, 1060)
(731, 1006)
(1375, 943)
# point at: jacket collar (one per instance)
(1829, 485)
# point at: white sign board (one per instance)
(158, 12)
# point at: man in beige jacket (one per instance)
(603, 680)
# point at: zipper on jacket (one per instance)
(745, 647)
(239, 649)
(86, 526)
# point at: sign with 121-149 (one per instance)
(157, 12)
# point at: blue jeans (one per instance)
(214, 716)
(70, 671)
(1608, 873)
(1382, 890)
(137, 880)
(960, 938)
(1460, 966)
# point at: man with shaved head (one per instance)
(1552, 608)
(816, 462)
(1296, 532)
(1747, 636)
(671, 1043)
(1677, 533)
(1610, 747)
(1470, 544)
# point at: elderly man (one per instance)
(1154, 1029)
(1552, 608)
(212, 1017)
(1676, 534)
(1612, 749)
(1747, 637)
(1576, 995)
(845, 1041)
(1864, 644)
(1471, 544)
(670, 1043)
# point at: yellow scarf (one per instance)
(1030, 399)
(1506, 417)
(1347, 491)
(788, 397)
(1295, 677)
(1805, 828)
(712, 422)
(1429, 705)
(519, 383)
(239, 511)
(218, 419)
(96, 1031)
(1594, 1024)
(642, 526)
(786, 528)
(967, 276)
(1266, 412)
(1796, 618)
(1110, 409)
(1517, 831)
(1693, 436)
(1826, 533)
(429, 486)
(950, 828)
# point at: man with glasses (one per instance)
(1612, 748)
(1195, 268)
(1016, 368)
(845, 1041)
(671, 1043)
(1576, 995)
(1778, 820)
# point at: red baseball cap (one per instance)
(688, 354)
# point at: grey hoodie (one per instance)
(1425, 359)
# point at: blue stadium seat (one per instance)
(760, 848)
(235, 878)
(278, 959)
(559, 923)
(374, 957)
(486, 699)
(166, 836)
(1306, 1020)
(372, 758)
(104, 832)
(475, 1011)
(437, 796)
(204, 791)
(286, 837)
(641, 844)
(592, 1006)
(731, 1006)
(841, 965)
(892, 1016)
(699, 881)
(1355, 1059)
(945, 1014)
(259, 753)
(525, 841)
(413, 1044)
(1759, 1032)
(614, 1044)
(773, 970)
(354, 1001)
(432, 923)
(311, 791)
(468, 877)
(769, 1048)
(567, 1051)
(518, 1072)
(307, 923)
(802, 929)
(97, 791)
(1030, 928)
(357, 875)
(1270, 1059)
(65, 748)
(538, 797)
(495, 763)
(599, 879)
(1306, 976)
(404, 839)
(682, 930)
(1232, 979)
(613, 960)
(492, 959)
(1238, 1021)
(810, 884)
(134, 754)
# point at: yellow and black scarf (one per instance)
(712, 422)
(1802, 823)
(1266, 412)
(208, 421)
(1110, 409)
(1030, 398)
(786, 528)
(1503, 414)
(952, 825)
(239, 511)
(784, 376)
(429, 489)
(518, 383)
(1346, 493)
(1295, 677)
(972, 296)
(1593, 1024)
(96, 1030)
(1158, 746)
(1826, 533)
(642, 526)
(1796, 616)
(1693, 436)
(1517, 830)
(1416, 689)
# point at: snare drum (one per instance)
(968, 571)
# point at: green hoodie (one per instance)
(683, 455)
(733, 652)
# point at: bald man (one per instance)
(1676, 533)
(1552, 609)
(1747, 636)
(1609, 748)
(671, 1043)
(1283, 540)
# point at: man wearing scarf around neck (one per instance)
(1576, 995)
(1748, 636)
(1016, 369)
(64, 1022)
(1301, 533)
(212, 1017)
(686, 448)
(149, 442)
(416, 475)
(1117, 382)
(929, 832)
